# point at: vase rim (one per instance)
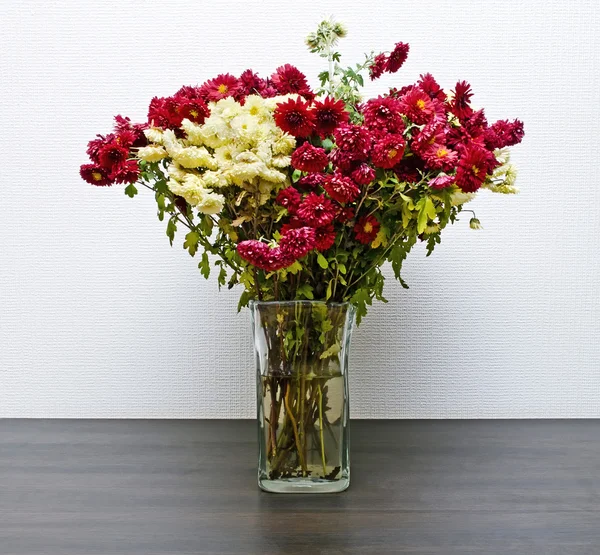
(254, 302)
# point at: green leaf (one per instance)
(342, 268)
(130, 190)
(322, 261)
(204, 265)
(305, 290)
(171, 229)
(222, 279)
(191, 242)
(244, 299)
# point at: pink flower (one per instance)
(441, 182)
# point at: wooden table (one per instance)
(106, 487)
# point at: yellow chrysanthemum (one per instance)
(193, 157)
(211, 203)
(193, 132)
(154, 135)
(151, 153)
(190, 191)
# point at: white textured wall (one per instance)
(99, 317)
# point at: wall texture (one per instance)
(99, 317)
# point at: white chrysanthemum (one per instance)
(225, 155)
(176, 172)
(273, 175)
(284, 144)
(247, 129)
(226, 108)
(264, 152)
(281, 161)
(214, 179)
(190, 191)
(151, 153)
(246, 167)
(271, 103)
(154, 135)
(255, 106)
(194, 157)
(193, 132)
(211, 203)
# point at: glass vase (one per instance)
(301, 352)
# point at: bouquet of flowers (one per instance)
(302, 193)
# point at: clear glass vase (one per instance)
(301, 352)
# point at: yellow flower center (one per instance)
(368, 227)
(441, 152)
(476, 170)
(420, 104)
(194, 113)
(97, 176)
(392, 153)
(222, 88)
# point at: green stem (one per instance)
(321, 430)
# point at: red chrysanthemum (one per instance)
(430, 86)
(383, 114)
(329, 115)
(195, 110)
(221, 86)
(324, 238)
(378, 67)
(345, 214)
(295, 118)
(473, 167)
(316, 210)
(441, 182)
(251, 83)
(408, 169)
(294, 223)
(289, 198)
(134, 131)
(366, 229)
(311, 181)
(363, 174)
(162, 112)
(417, 106)
(397, 57)
(345, 160)
(309, 158)
(461, 103)
(440, 157)
(126, 173)
(94, 174)
(431, 134)
(262, 256)
(288, 79)
(95, 145)
(298, 242)
(112, 155)
(341, 188)
(504, 133)
(388, 151)
(353, 139)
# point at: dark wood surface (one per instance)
(189, 487)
